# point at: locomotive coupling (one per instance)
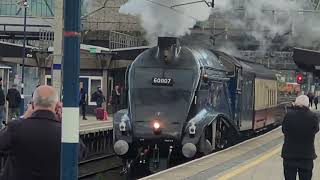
(121, 147)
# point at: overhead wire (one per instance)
(173, 9)
(94, 11)
(193, 2)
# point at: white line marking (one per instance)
(208, 156)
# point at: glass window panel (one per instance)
(95, 83)
(49, 83)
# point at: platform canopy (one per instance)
(307, 60)
(92, 57)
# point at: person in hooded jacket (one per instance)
(299, 127)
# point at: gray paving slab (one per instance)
(271, 169)
(94, 125)
(211, 166)
(257, 159)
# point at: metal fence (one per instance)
(97, 144)
(121, 40)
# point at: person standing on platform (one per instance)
(299, 127)
(2, 105)
(310, 96)
(98, 97)
(316, 101)
(83, 102)
(116, 98)
(14, 100)
(34, 141)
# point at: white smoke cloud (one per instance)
(263, 20)
(158, 19)
(267, 20)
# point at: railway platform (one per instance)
(255, 159)
(94, 125)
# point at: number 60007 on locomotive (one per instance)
(189, 101)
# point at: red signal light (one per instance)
(299, 78)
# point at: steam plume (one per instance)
(263, 20)
(271, 20)
(159, 19)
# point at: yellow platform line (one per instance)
(250, 164)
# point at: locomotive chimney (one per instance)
(168, 48)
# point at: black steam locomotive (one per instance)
(188, 101)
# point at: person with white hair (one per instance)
(300, 125)
(34, 141)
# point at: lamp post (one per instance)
(25, 5)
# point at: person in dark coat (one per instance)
(98, 97)
(2, 105)
(14, 100)
(34, 143)
(299, 127)
(310, 96)
(115, 101)
(316, 101)
(83, 102)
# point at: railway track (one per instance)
(100, 165)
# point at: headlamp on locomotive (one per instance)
(186, 100)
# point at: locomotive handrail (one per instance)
(212, 68)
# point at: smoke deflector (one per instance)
(168, 48)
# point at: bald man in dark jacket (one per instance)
(33, 143)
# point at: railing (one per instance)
(121, 40)
(97, 144)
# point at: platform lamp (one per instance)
(24, 4)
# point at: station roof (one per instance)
(258, 70)
(12, 26)
(117, 54)
(13, 50)
(307, 60)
